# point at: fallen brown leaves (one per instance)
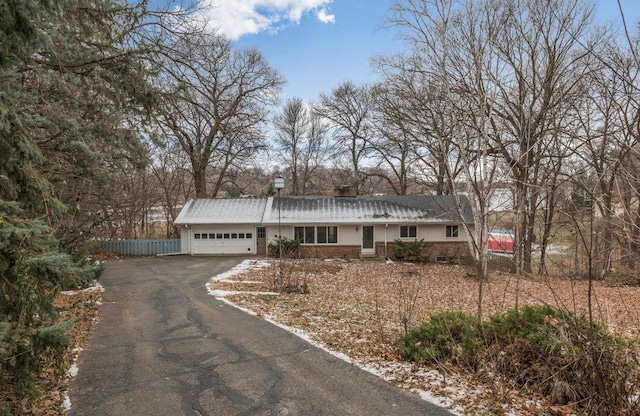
(81, 305)
(360, 309)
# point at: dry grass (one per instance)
(361, 309)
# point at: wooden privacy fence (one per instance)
(141, 247)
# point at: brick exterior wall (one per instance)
(454, 251)
(330, 251)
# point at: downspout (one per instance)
(386, 257)
(188, 238)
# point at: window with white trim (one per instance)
(452, 231)
(408, 231)
(316, 235)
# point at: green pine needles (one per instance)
(32, 272)
(544, 351)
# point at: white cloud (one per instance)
(235, 18)
(324, 17)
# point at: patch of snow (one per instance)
(557, 249)
(222, 293)
(73, 370)
(245, 265)
(440, 401)
(228, 302)
(95, 287)
(66, 402)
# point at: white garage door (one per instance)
(240, 240)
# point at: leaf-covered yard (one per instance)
(360, 309)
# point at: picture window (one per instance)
(316, 235)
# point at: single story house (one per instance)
(326, 226)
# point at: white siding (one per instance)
(185, 239)
(431, 233)
(351, 235)
(347, 234)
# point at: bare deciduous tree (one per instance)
(216, 104)
(300, 143)
(393, 142)
(348, 108)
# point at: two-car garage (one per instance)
(229, 240)
(222, 226)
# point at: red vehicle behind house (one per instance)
(501, 240)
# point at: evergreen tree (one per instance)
(72, 92)
(32, 269)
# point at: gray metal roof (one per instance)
(426, 209)
(389, 209)
(222, 211)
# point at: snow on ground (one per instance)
(95, 287)
(382, 372)
(351, 312)
(225, 277)
(71, 373)
(73, 369)
(246, 265)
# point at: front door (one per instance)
(367, 240)
(261, 240)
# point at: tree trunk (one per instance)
(200, 180)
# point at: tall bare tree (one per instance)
(510, 69)
(349, 110)
(393, 139)
(300, 142)
(606, 140)
(426, 119)
(216, 104)
(460, 118)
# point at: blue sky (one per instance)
(316, 44)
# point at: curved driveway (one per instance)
(165, 347)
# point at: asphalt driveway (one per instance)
(165, 347)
